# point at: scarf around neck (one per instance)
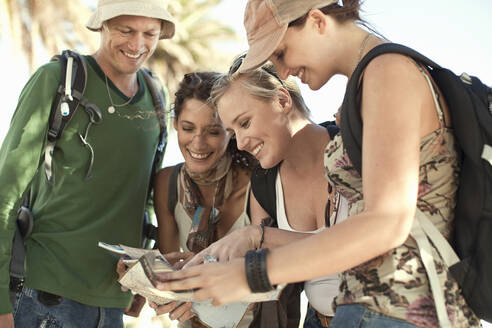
(203, 230)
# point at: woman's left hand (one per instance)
(222, 283)
(179, 259)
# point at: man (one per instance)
(70, 282)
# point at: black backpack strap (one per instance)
(159, 99)
(332, 128)
(350, 118)
(172, 194)
(24, 226)
(263, 187)
(68, 96)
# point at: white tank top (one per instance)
(319, 291)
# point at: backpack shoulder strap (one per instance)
(160, 104)
(172, 194)
(423, 230)
(159, 98)
(332, 128)
(350, 119)
(68, 96)
(263, 187)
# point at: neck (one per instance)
(306, 150)
(357, 44)
(213, 175)
(126, 83)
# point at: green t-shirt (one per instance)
(74, 214)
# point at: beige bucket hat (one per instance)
(107, 9)
(266, 22)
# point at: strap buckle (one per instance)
(16, 284)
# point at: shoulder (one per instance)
(153, 78)
(41, 86)
(392, 70)
(48, 73)
(393, 81)
(162, 176)
(52, 67)
(263, 179)
(244, 171)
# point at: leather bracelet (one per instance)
(256, 271)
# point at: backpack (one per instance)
(69, 95)
(470, 106)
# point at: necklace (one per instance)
(112, 108)
(362, 47)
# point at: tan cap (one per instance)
(107, 9)
(266, 22)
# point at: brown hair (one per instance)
(198, 85)
(349, 10)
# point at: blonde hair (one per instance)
(262, 83)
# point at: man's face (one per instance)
(127, 41)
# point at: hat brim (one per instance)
(130, 8)
(260, 50)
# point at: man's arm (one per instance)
(20, 156)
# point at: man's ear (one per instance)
(285, 100)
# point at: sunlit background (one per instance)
(454, 33)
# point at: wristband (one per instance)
(256, 271)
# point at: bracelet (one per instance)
(256, 271)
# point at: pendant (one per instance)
(111, 110)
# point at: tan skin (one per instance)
(397, 110)
(285, 135)
(200, 134)
(123, 35)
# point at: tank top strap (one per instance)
(435, 96)
(246, 199)
(178, 186)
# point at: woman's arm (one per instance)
(397, 111)
(168, 233)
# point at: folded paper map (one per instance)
(144, 264)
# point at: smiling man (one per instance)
(99, 176)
